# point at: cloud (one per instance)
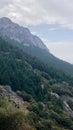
(53, 29)
(3, 3)
(61, 49)
(30, 12)
(36, 12)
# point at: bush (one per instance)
(12, 121)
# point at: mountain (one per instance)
(31, 44)
(40, 97)
(19, 34)
(36, 88)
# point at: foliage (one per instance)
(12, 117)
(39, 85)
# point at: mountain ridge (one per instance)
(19, 33)
(32, 45)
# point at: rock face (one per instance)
(65, 99)
(19, 34)
(31, 45)
(6, 92)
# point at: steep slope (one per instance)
(13, 114)
(54, 114)
(47, 93)
(20, 70)
(19, 34)
(31, 44)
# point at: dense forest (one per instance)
(42, 87)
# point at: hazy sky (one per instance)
(52, 20)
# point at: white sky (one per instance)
(37, 12)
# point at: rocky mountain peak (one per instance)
(20, 34)
(5, 20)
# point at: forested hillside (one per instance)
(45, 94)
(31, 44)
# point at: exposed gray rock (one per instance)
(6, 91)
(68, 109)
(65, 99)
(19, 34)
(55, 94)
